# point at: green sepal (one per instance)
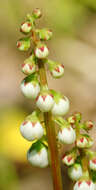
(52, 64)
(37, 146)
(24, 44)
(31, 19)
(61, 122)
(93, 175)
(31, 59)
(57, 95)
(44, 34)
(78, 117)
(33, 77)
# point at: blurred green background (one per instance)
(74, 43)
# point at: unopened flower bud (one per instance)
(92, 160)
(88, 125)
(41, 51)
(84, 185)
(26, 27)
(61, 105)
(23, 44)
(69, 159)
(30, 87)
(67, 135)
(31, 128)
(75, 172)
(78, 116)
(45, 101)
(38, 155)
(29, 66)
(56, 69)
(37, 13)
(72, 120)
(82, 142)
(44, 34)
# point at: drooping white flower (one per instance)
(26, 27)
(31, 130)
(61, 107)
(67, 135)
(38, 155)
(75, 172)
(41, 51)
(84, 185)
(30, 88)
(45, 101)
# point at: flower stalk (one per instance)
(51, 135)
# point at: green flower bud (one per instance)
(44, 34)
(78, 117)
(23, 44)
(88, 125)
(37, 13)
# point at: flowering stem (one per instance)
(51, 135)
(84, 161)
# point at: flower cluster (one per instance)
(71, 130)
(47, 100)
(80, 159)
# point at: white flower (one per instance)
(67, 135)
(68, 159)
(28, 68)
(38, 158)
(45, 102)
(41, 51)
(58, 71)
(84, 185)
(62, 107)
(82, 142)
(75, 172)
(26, 27)
(92, 164)
(30, 89)
(31, 130)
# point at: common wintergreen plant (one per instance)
(39, 126)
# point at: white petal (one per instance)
(29, 90)
(46, 105)
(75, 173)
(38, 159)
(30, 132)
(84, 186)
(61, 108)
(67, 136)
